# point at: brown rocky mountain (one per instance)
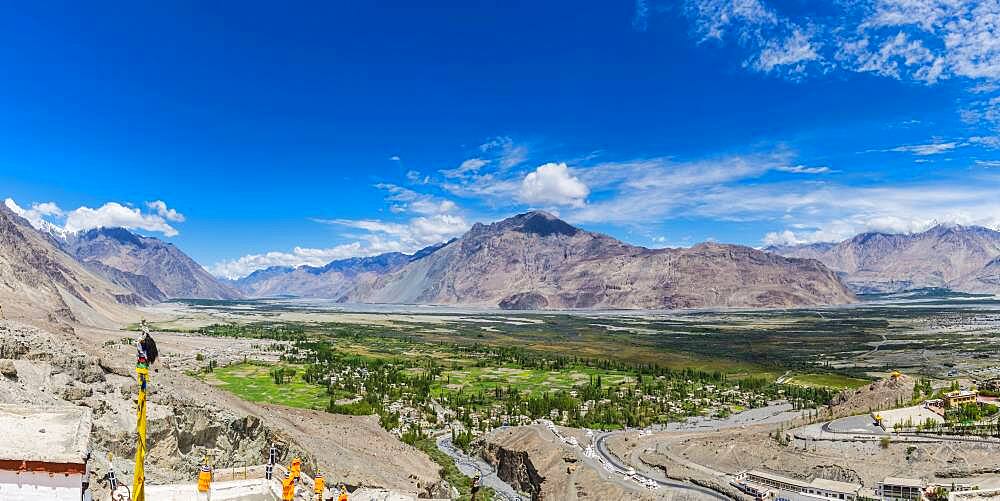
(130, 257)
(535, 260)
(39, 281)
(946, 256)
(984, 280)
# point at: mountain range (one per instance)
(40, 280)
(154, 269)
(960, 258)
(537, 261)
(528, 261)
(334, 280)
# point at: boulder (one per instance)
(8, 369)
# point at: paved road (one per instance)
(608, 456)
(469, 466)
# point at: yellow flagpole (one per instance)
(139, 480)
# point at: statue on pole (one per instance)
(145, 356)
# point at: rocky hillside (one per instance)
(189, 419)
(173, 273)
(985, 279)
(537, 261)
(39, 281)
(945, 256)
(530, 459)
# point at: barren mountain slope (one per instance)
(40, 282)
(170, 270)
(985, 279)
(330, 281)
(536, 260)
(943, 256)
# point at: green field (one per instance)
(475, 379)
(253, 382)
(835, 381)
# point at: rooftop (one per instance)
(833, 485)
(961, 393)
(45, 434)
(905, 482)
(816, 483)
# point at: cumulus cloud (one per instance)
(47, 217)
(36, 212)
(114, 215)
(36, 215)
(47, 209)
(553, 184)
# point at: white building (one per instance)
(780, 488)
(899, 489)
(42, 452)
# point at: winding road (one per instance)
(469, 466)
(602, 449)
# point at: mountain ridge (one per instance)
(173, 273)
(39, 281)
(331, 280)
(947, 256)
(536, 259)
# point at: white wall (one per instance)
(40, 486)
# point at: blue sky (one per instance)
(251, 135)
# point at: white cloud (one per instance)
(47, 209)
(714, 18)
(988, 163)
(470, 165)
(299, 256)
(165, 212)
(832, 213)
(553, 184)
(36, 215)
(790, 54)
(413, 235)
(650, 190)
(395, 158)
(44, 216)
(415, 177)
(407, 200)
(434, 220)
(113, 215)
(920, 40)
(802, 169)
(927, 149)
(509, 153)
